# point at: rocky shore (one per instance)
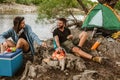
(41, 67)
(16, 8)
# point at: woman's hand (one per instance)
(44, 44)
(5, 44)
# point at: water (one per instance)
(42, 29)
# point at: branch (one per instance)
(75, 20)
(78, 23)
(111, 3)
(83, 6)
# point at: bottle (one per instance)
(54, 45)
(96, 44)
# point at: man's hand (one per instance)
(70, 37)
(59, 49)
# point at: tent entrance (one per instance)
(97, 20)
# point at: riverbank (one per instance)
(17, 8)
(42, 67)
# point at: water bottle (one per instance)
(54, 44)
(96, 44)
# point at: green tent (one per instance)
(102, 16)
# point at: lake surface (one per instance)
(41, 28)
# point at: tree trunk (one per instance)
(83, 6)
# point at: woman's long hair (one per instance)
(17, 21)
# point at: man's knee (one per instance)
(75, 49)
(84, 33)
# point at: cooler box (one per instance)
(10, 62)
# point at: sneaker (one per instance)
(97, 59)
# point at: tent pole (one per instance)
(93, 33)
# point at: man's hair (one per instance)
(63, 20)
(17, 20)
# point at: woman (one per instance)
(22, 36)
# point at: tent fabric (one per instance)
(102, 16)
(97, 19)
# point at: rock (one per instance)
(30, 79)
(118, 63)
(74, 62)
(110, 48)
(86, 75)
(62, 64)
(76, 77)
(66, 74)
(53, 63)
(41, 69)
(16, 8)
(25, 73)
(79, 65)
(32, 71)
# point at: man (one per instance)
(22, 36)
(63, 38)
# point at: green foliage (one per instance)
(117, 6)
(51, 8)
(27, 2)
(88, 3)
(7, 1)
(36, 2)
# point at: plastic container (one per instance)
(96, 44)
(10, 63)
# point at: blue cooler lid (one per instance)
(10, 55)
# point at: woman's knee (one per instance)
(21, 40)
(8, 43)
(22, 43)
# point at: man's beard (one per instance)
(60, 27)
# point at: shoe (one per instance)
(97, 59)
